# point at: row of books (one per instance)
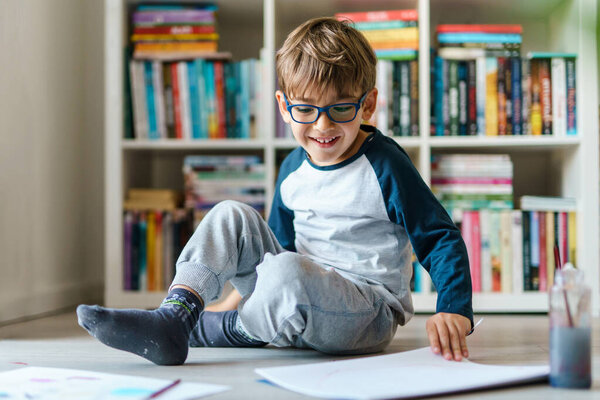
(472, 181)
(174, 32)
(211, 179)
(512, 251)
(393, 34)
(153, 240)
(197, 99)
(492, 96)
(397, 112)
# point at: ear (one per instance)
(282, 107)
(369, 105)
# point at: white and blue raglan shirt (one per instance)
(364, 216)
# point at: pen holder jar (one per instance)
(570, 330)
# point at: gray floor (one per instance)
(58, 342)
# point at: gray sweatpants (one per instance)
(287, 299)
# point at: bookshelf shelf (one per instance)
(565, 166)
(197, 144)
(504, 142)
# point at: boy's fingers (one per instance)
(455, 342)
(434, 340)
(442, 331)
(463, 341)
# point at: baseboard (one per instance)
(31, 302)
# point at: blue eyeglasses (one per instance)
(340, 112)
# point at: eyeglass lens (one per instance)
(338, 113)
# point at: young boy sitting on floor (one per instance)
(331, 269)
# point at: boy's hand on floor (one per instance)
(447, 335)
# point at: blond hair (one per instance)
(323, 54)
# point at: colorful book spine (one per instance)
(486, 258)
(173, 17)
(526, 222)
(479, 28)
(516, 96)
(376, 16)
(545, 95)
(471, 98)
(526, 96)
(495, 249)
(462, 98)
(517, 251)
(571, 97)
(543, 264)
(476, 260)
(572, 237)
(439, 95)
(186, 109)
(481, 94)
(127, 250)
(159, 99)
(404, 98)
(194, 96)
(550, 262)
(142, 252)
(491, 97)
(501, 96)
(173, 30)
(506, 258)
(414, 97)
(453, 96)
(534, 230)
(476, 37)
(558, 73)
(176, 101)
(535, 116)
(150, 102)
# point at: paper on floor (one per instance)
(401, 375)
(61, 384)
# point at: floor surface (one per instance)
(58, 341)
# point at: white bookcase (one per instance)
(253, 28)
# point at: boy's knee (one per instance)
(281, 272)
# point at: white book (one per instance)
(506, 257)
(159, 98)
(384, 79)
(460, 53)
(486, 257)
(517, 251)
(559, 96)
(138, 94)
(480, 92)
(184, 93)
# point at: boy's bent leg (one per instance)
(298, 303)
(159, 335)
(229, 243)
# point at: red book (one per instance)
(220, 97)
(543, 269)
(176, 101)
(372, 16)
(487, 28)
(501, 96)
(563, 241)
(173, 30)
(545, 95)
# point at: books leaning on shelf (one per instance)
(196, 99)
(397, 110)
(211, 179)
(482, 86)
(150, 199)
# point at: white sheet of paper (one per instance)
(63, 384)
(408, 374)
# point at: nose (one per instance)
(323, 123)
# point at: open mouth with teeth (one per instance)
(325, 142)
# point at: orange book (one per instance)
(395, 44)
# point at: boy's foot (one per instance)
(160, 335)
(221, 329)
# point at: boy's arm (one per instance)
(438, 245)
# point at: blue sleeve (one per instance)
(281, 218)
(436, 240)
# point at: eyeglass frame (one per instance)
(325, 109)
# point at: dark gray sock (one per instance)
(221, 329)
(159, 335)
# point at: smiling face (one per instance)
(325, 141)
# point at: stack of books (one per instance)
(152, 199)
(170, 32)
(196, 99)
(212, 179)
(393, 34)
(472, 181)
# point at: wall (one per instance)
(50, 155)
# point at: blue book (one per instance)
(439, 96)
(462, 98)
(245, 99)
(238, 100)
(534, 230)
(201, 68)
(150, 104)
(516, 95)
(479, 38)
(194, 96)
(209, 109)
(396, 54)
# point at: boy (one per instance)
(331, 270)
